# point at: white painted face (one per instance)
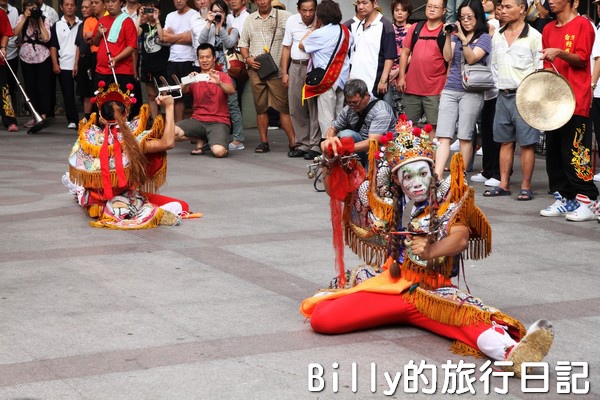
(415, 178)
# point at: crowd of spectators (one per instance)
(323, 79)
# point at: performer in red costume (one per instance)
(414, 284)
(116, 167)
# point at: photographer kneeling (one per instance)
(210, 123)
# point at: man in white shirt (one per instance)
(238, 14)
(48, 12)
(177, 32)
(293, 74)
(62, 52)
(131, 9)
(374, 49)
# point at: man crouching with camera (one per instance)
(210, 122)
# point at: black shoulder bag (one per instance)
(267, 64)
(316, 75)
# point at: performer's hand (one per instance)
(164, 100)
(420, 246)
(330, 146)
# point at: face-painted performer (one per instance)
(116, 167)
(411, 263)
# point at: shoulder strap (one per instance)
(415, 35)
(274, 30)
(335, 48)
(363, 115)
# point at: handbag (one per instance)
(267, 64)
(476, 77)
(316, 75)
(236, 67)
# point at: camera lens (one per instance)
(450, 28)
(218, 17)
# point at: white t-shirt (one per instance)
(65, 38)
(294, 32)
(237, 22)
(365, 56)
(181, 23)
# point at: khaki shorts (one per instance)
(210, 132)
(415, 106)
(268, 93)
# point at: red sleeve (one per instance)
(5, 29)
(407, 43)
(225, 78)
(130, 33)
(583, 45)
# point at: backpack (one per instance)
(441, 38)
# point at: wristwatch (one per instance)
(594, 85)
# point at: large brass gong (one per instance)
(545, 100)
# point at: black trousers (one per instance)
(568, 159)
(67, 86)
(595, 115)
(38, 84)
(491, 149)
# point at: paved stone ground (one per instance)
(209, 309)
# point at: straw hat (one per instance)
(281, 6)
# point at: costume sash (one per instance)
(333, 72)
(105, 163)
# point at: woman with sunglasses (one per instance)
(468, 38)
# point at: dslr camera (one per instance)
(36, 14)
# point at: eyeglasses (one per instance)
(467, 17)
(432, 7)
(354, 103)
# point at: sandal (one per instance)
(263, 147)
(495, 192)
(525, 195)
(201, 151)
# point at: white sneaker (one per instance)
(479, 178)
(455, 146)
(561, 206)
(72, 125)
(588, 210)
(492, 182)
(233, 147)
(597, 177)
(479, 152)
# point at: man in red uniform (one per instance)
(116, 38)
(567, 44)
